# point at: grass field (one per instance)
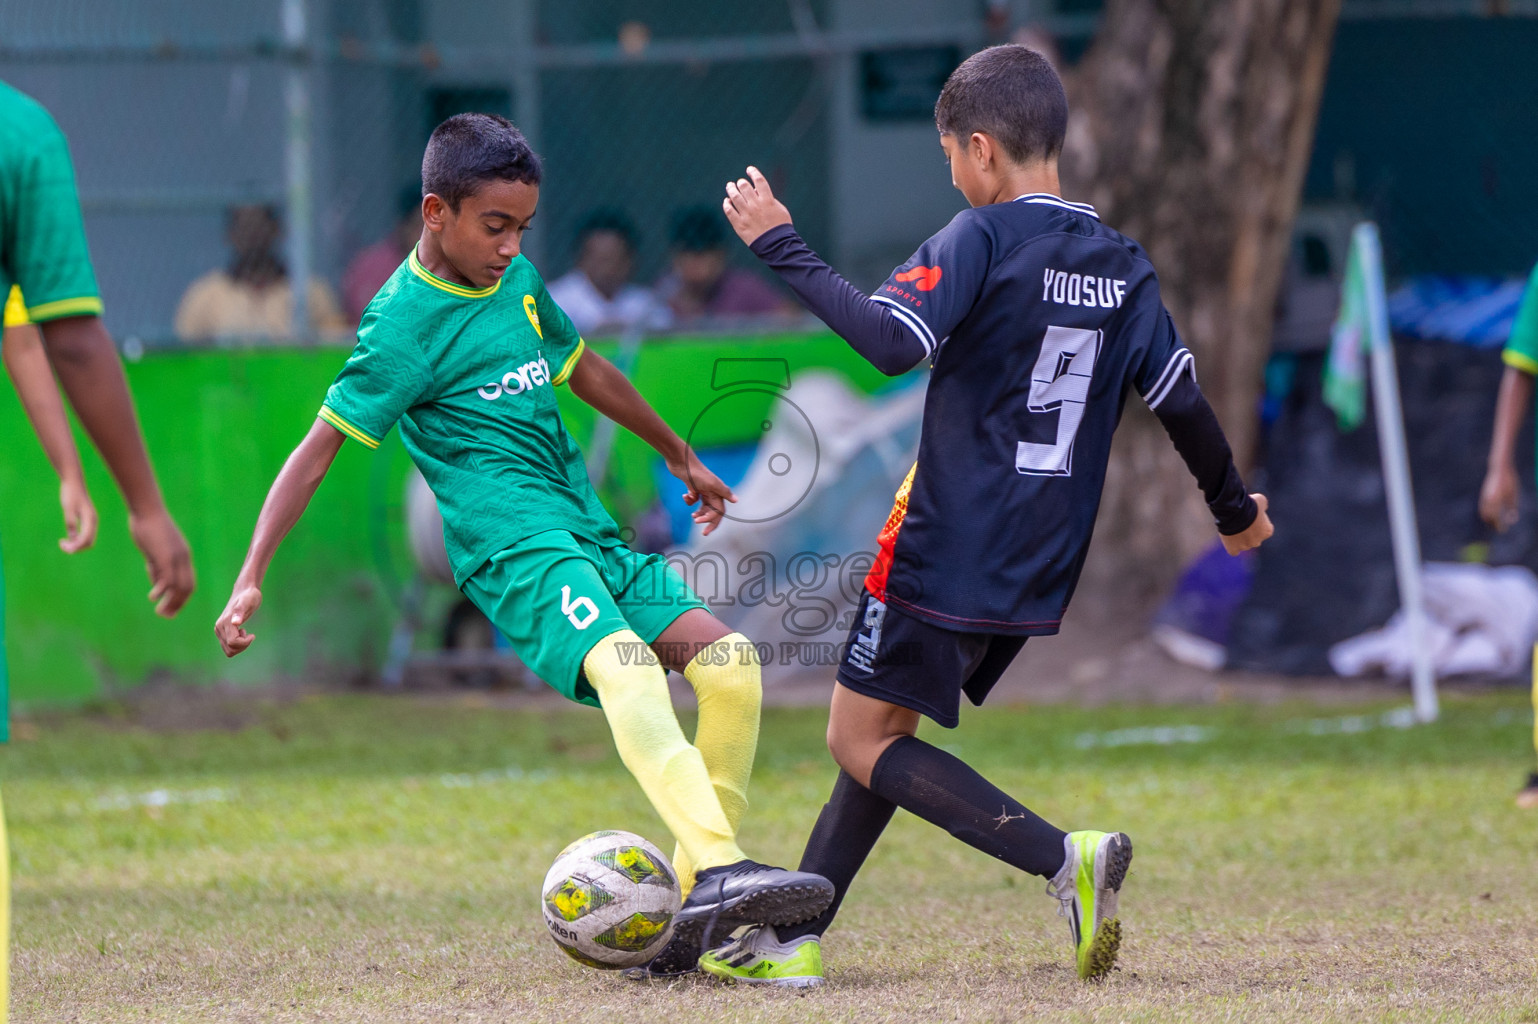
(351, 858)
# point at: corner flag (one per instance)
(1345, 380)
(1363, 326)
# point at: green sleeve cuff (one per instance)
(1518, 361)
(86, 305)
(570, 364)
(357, 433)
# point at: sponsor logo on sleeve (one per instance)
(923, 278)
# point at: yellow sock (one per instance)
(634, 693)
(727, 684)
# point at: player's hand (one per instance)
(1255, 535)
(167, 559)
(705, 489)
(751, 207)
(79, 516)
(1498, 498)
(230, 629)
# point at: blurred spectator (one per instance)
(597, 293)
(702, 287)
(253, 298)
(372, 267)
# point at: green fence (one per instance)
(219, 425)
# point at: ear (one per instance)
(982, 149)
(434, 212)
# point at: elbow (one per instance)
(76, 341)
(891, 367)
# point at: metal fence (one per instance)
(177, 111)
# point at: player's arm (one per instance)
(1193, 427)
(1498, 496)
(27, 364)
(601, 385)
(88, 369)
(286, 501)
(871, 328)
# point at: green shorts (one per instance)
(554, 596)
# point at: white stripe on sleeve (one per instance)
(1181, 362)
(917, 326)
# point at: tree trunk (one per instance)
(1192, 123)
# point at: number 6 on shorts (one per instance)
(570, 608)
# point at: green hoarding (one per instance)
(219, 424)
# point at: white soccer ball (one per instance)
(609, 900)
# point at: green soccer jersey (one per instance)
(1521, 349)
(471, 373)
(42, 238)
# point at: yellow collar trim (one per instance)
(448, 286)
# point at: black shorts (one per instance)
(909, 662)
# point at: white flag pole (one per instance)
(1396, 471)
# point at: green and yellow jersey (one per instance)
(42, 238)
(1521, 351)
(43, 253)
(15, 314)
(471, 373)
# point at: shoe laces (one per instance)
(1064, 892)
(1064, 903)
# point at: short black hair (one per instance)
(468, 150)
(1012, 93)
(608, 219)
(698, 229)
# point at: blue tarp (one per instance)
(1473, 311)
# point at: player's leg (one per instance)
(549, 598)
(720, 665)
(791, 955)
(1084, 870)
(5, 920)
(1527, 799)
(552, 597)
(633, 692)
(5, 851)
(897, 667)
(722, 668)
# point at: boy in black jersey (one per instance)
(1038, 321)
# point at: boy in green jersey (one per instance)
(1498, 496)
(46, 279)
(464, 347)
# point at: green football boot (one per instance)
(757, 957)
(1086, 890)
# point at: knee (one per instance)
(853, 750)
(729, 672)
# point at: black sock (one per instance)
(846, 830)
(944, 791)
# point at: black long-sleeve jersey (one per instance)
(1039, 320)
